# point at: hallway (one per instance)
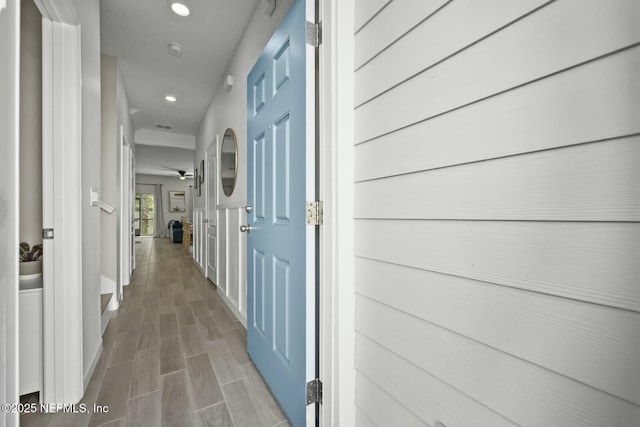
(173, 355)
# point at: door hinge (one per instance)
(314, 392)
(314, 213)
(314, 34)
(47, 233)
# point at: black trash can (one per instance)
(175, 231)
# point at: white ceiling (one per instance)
(163, 160)
(138, 33)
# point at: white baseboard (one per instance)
(199, 267)
(94, 362)
(106, 315)
(241, 318)
(109, 286)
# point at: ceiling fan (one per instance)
(184, 175)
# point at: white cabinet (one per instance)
(31, 336)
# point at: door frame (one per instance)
(211, 148)
(313, 242)
(132, 200)
(61, 157)
(337, 261)
(9, 193)
(125, 218)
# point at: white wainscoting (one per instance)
(232, 258)
(211, 261)
(199, 238)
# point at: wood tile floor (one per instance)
(173, 355)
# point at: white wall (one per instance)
(228, 110)
(124, 116)
(496, 206)
(30, 123)
(169, 184)
(115, 113)
(109, 168)
(88, 12)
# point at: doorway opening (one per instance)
(144, 216)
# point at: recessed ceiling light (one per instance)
(180, 9)
(170, 98)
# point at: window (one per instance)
(144, 214)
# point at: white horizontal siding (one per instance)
(595, 262)
(591, 182)
(523, 392)
(535, 327)
(390, 24)
(556, 37)
(497, 212)
(568, 108)
(384, 409)
(437, 40)
(365, 10)
(420, 392)
(363, 420)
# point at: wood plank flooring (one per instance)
(173, 355)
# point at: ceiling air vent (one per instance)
(163, 126)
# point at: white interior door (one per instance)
(62, 212)
(212, 215)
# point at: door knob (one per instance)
(245, 228)
(205, 220)
(248, 208)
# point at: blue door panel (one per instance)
(276, 245)
(258, 155)
(281, 308)
(281, 182)
(258, 290)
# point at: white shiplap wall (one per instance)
(497, 200)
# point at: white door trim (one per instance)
(337, 293)
(311, 194)
(124, 212)
(9, 210)
(211, 214)
(61, 159)
(132, 201)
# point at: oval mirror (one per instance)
(229, 161)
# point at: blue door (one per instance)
(276, 243)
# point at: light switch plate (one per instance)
(94, 197)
